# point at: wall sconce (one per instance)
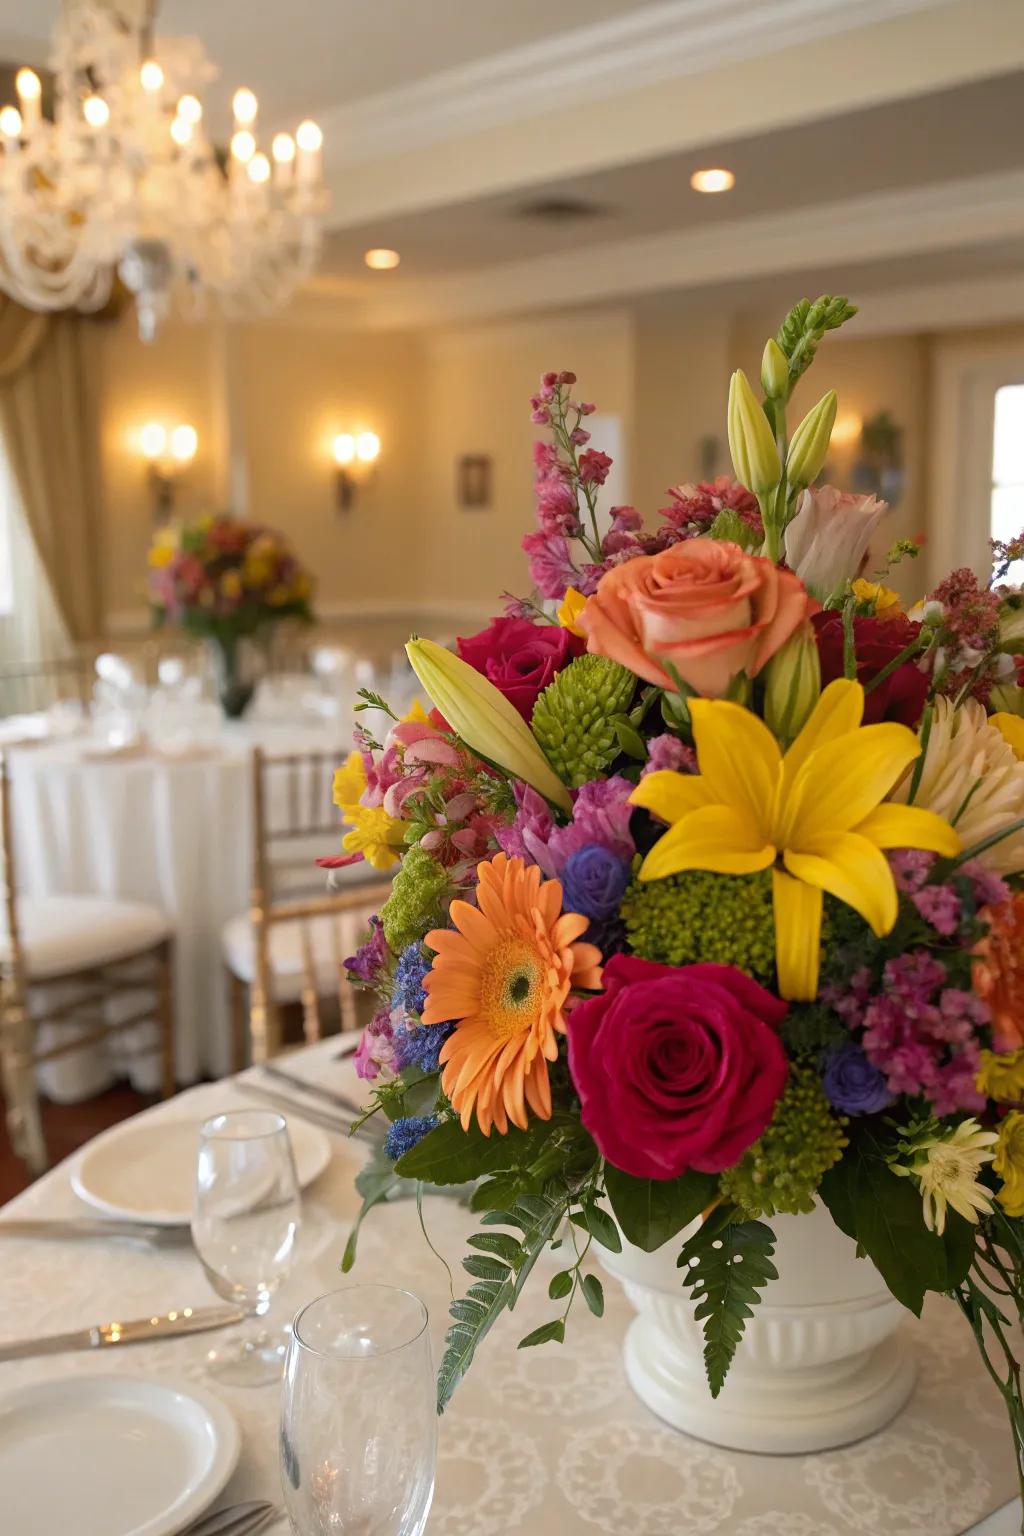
(354, 456)
(169, 454)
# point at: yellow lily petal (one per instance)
(1011, 728)
(844, 780)
(797, 910)
(671, 795)
(855, 872)
(838, 711)
(907, 826)
(737, 753)
(719, 838)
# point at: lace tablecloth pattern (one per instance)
(546, 1440)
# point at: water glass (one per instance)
(245, 1222)
(358, 1416)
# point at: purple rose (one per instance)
(520, 658)
(594, 882)
(852, 1085)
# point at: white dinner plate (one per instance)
(111, 1456)
(145, 1170)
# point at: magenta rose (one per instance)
(520, 658)
(676, 1067)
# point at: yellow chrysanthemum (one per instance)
(815, 817)
(946, 1169)
(972, 777)
(883, 600)
(1009, 1163)
(504, 973)
(1001, 1076)
(573, 605)
(374, 834)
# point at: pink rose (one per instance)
(520, 658)
(704, 605)
(676, 1067)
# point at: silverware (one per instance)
(139, 1331)
(289, 1106)
(325, 1095)
(78, 1228)
(235, 1520)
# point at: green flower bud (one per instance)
(774, 371)
(810, 442)
(574, 720)
(1007, 699)
(1011, 624)
(755, 457)
(792, 684)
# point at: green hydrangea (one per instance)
(782, 1171)
(418, 899)
(574, 718)
(697, 916)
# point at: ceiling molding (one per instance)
(955, 305)
(945, 216)
(651, 44)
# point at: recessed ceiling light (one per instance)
(381, 259)
(715, 180)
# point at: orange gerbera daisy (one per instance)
(999, 971)
(504, 973)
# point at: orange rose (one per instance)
(703, 605)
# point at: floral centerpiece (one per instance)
(708, 901)
(225, 580)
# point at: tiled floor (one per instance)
(67, 1127)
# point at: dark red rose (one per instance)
(876, 642)
(676, 1067)
(520, 658)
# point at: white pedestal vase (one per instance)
(820, 1364)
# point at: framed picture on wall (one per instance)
(473, 480)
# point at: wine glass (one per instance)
(358, 1418)
(244, 1226)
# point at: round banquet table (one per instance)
(538, 1442)
(171, 830)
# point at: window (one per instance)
(1007, 515)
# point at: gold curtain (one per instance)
(49, 434)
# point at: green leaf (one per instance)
(728, 1267)
(600, 1226)
(374, 1181)
(498, 1243)
(499, 1192)
(884, 1214)
(545, 1334)
(561, 1284)
(651, 1211)
(629, 739)
(482, 1268)
(450, 1155)
(593, 1294)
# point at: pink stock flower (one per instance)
(594, 467)
(551, 568)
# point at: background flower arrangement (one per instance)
(225, 580)
(710, 897)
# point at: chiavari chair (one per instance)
(289, 947)
(64, 960)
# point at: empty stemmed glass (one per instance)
(244, 1226)
(358, 1418)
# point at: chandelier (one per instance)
(122, 177)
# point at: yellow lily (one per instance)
(573, 605)
(815, 817)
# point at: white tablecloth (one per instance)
(173, 831)
(543, 1441)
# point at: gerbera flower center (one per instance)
(510, 987)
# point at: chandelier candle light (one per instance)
(124, 178)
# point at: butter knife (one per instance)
(140, 1331)
(77, 1228)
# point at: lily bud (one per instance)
(755, 457)
(792, 684)
(810, 442)
(484, 719)
(774, 371)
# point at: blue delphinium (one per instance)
(408, 991)
(405, 1133)
(419, 1045)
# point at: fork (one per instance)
(236, 1520)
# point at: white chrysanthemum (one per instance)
(946, 1170)
(973, 778)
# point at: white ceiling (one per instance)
(307, 55)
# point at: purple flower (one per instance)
(404, 1134)
(668, 752)
(370, 960)
(376, 1051)
(594, 882)
(852, 1085)
(420, 1046)
(551, 569)
(527, 837)
(989, 889)
(939, 905)
(600, 814)
(408, 994)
